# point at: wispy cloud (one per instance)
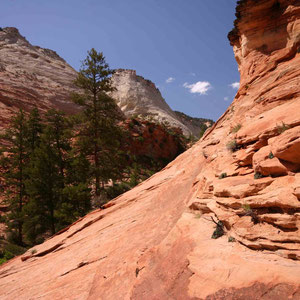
(235, 85)
(170, 79)
(226, 98)
(193, 74)
(200, 87)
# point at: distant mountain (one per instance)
(198, 125)
(31, 76)
(137, 96)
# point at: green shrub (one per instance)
(223, 175)
(232, 146)
(2, 260)
(282, 128)
(8, 255)
(257, 175)
(219, 231)
(236, 128)
(271, 155)
(231, 239)
(248, 211)
(15, 249)
(246, 208)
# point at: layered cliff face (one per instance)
(31, 76)
(154, 242)
(137, 96)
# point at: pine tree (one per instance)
(99, 137)
(13, 164)
(46, 176)
(34, 130)
(58, 181)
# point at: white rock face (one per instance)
(138, 96)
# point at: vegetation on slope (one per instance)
(200, 123)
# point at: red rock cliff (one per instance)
(31, 76)
(154, 242)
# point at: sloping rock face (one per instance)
(153, 141)
(198, 124)
(154, 242)
(137, 96)
(31, 76)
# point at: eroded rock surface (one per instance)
(31, 76)
(137, 96)
(154, 242)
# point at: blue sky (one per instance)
(180, 45)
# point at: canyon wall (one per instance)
(155, 241)
(137, 96)
(31, 76)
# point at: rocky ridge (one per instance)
(31, 76)
(154, 242)
(137, 96)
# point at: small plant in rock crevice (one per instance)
(271, 155)
(232, 146)
(223, 175)
(282, 128)
(236, 128)
(219, 231)
(231, 239)
(257, 175)
(248, 211)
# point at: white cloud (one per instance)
(226, 98)
(200, 87)
(235, 85)
(170, 79)
(193, 74)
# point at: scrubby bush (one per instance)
(236, 128)
(231, 239)
(257, 175)
(232, 146)
(223, 175)
(219, 231)
(248, 211)
(282, 128)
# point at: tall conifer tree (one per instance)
(14, 164)
(99, 136)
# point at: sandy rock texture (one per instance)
(154, 242)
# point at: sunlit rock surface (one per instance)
(154, 242)
(137, 96)
(31, 76)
